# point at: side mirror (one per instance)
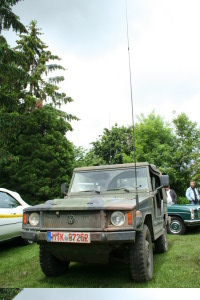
(164, 181)
(63, 188)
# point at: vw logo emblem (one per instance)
(70, 219)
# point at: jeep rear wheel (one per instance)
(161, 244)
(141, 256)
(176, 226)
(50, 265)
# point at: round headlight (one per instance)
(117, 218)
(34, 219)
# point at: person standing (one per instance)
(192, 194)
(171, 195)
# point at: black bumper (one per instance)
(103, 237)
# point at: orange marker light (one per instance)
(24, 219)
(130, 218)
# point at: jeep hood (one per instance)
(91, 202)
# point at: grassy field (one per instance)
(180, 267)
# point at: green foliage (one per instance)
(8, 19)
(182, 200)
(84, 158)
(111, 147)
(9, 294)
(12, 78)
(173, 148)
(185, 156)
(154, 142)
(45, 156)
(36, 61)
(35, 156)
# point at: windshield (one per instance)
(105, 180)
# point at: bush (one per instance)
(182, 200)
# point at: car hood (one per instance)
(182, 207)
(92, 202)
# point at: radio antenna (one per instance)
(110, 158)
(131, 93)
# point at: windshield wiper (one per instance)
(98, 192)
(118, 189)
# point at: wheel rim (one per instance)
(175, 226)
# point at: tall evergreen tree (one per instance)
(37, 157)
(8, 19)
(38, 62)
(11, 79)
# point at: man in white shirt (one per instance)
(192, 193)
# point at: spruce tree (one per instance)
(36, 156)
(8, 19)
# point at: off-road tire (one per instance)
(50, 265)
(176, 226)
(161, 244)
(141, 256)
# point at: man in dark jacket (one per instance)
(171, 196)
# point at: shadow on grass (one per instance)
(11, 245)
(7, 245)
(83, 275)
(192, 230)
(113, 275)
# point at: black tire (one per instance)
(176, 226)
(161, 244)
(50, 265)
(141, 256)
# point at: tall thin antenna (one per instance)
(131, 90)
(110, 158)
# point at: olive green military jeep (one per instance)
(103, 216)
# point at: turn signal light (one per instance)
(130, 218)
(24, 219)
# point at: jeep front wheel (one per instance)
(50, 265)
(141, 256)
(176, 226)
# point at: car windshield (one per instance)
(109, 180)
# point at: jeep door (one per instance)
(157, 203)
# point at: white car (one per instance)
(11, 212)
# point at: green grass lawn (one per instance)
(180, 267)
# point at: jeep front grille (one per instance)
(70, 220)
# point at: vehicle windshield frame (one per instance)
(111, 179)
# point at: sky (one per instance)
(90, 37)
(99, 294)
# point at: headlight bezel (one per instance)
(121, 218)
(34, 219)
(192, 212)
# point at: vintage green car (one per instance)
(183, 216)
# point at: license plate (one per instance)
(68, 237)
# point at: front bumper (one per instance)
(192, 222)
(95, 237)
